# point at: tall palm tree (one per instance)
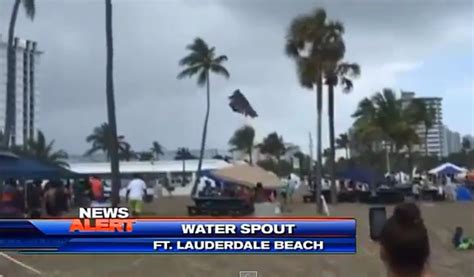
(343, 143)
(183, 154)
(273, 145)
(337, 74)
(41, 150)
(201, 61)
(29, 7)
(101, 140)
(114, 145)
(317, 32)
(156, 149)
(243, 141)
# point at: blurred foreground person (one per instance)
(405, 247)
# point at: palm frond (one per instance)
(30, 8)
(189, 72)
(198, 46)
(220, 59)
(220, 70)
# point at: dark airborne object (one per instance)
(240, 104)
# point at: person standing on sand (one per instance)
(404, 242)
(136, 191)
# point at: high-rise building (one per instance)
(26, 89)
(452, 142)
(435, 141)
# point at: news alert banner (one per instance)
(180, 235)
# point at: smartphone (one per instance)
(377, 218)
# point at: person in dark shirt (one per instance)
(34, 198)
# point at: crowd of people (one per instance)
(31, 199)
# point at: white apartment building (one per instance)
(436, 133)
(26, 89)
(452, 142)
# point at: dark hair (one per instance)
(405, 240)
(259, 186)
(136, 176)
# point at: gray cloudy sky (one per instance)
(424, 46)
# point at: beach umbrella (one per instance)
(239, 104)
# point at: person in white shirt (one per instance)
(136, 191)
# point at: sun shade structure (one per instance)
(248, 175)
(12, 166)
(447, 169)
(240, 104)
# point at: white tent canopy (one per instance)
(444, 166)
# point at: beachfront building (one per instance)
(436, 133)
(26, 89)
(152, 171)
(452, 142)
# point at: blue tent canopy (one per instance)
(449, 170)
(363, 175)
(19, 167)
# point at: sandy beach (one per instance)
(440, 218)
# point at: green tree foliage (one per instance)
(273, 145)
(101, 140)
(243, 140)
(42, 150)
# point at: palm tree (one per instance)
(389, 121)
(201, 62)
(314, 30)
(273, 145)
(183, 154)
(29, 7)
(157, 149)
(338, 73)
(114, 144)
(126, 153)
(343, 143)
(101, 140)
(41, 150)
(243, 141)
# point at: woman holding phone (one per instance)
(405, 247)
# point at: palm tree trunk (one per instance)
(332, 154)
(204, 134)
(183, 183)
(114, 159)
(250, 156)
(11, 78)
(347, 153)
(319, 154)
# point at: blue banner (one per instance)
(183, 235)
